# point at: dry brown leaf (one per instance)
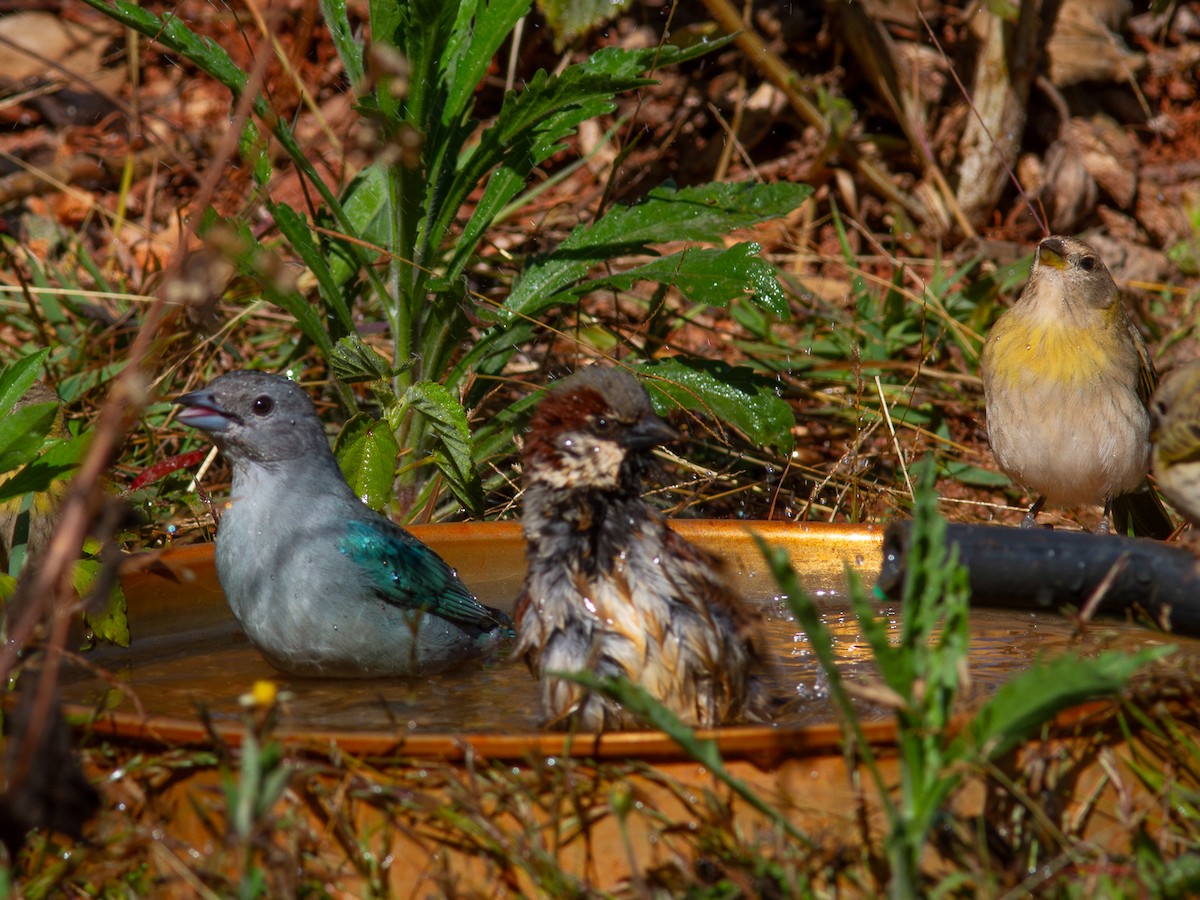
(1085, 44)
(1110, 156)
(28, 40)
(1069, 189)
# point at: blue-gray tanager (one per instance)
(322, 584)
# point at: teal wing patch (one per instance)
(410, 575)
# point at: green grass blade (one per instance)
(300, 236)
(349, 50)
(1031, 699)
(704, 750)
(478, 32)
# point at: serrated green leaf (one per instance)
(732, 396)
(435, 402)
(477, 34)
(709, 276)
(448, 421)
(702, 213)
(366, 451)
(111, 623)
(352, 361)
(705, 213)
(1035, 696)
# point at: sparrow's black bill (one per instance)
(650, 431)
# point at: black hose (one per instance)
(1040, 569)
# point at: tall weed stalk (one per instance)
(402, 235)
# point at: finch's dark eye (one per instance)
(263, 405)
(603, 424)
(1087, 263)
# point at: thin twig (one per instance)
(887, 417)
(45, 591)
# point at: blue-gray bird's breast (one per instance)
(308, 608)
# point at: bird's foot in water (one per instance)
(1030, 520)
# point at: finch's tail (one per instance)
(1141, 514)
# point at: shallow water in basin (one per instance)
(189, 655)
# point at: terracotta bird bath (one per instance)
(436, 741)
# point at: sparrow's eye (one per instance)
(604, 425)
(263, 405)
(1087, 263)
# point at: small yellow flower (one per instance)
(263, 695)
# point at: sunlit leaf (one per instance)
(709, 276)
(353, 361)
(17, 378)
(571, 18)
(58, 461)
(448, 421)
(366, 451)
(23, 432)
(732, 396)
(706, 213)
(1035, 696)
(112, 622)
